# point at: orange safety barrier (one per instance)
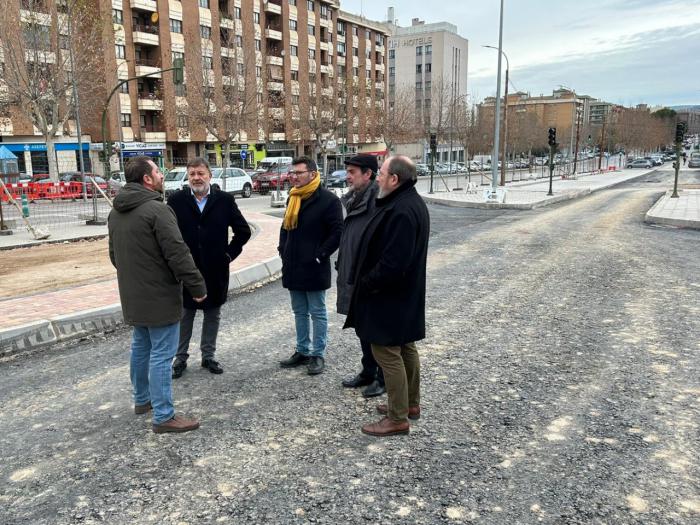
(612, 168)
(17, 190)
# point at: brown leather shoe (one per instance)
(142, 409)
(413, 412)
(386, 427)
(176, 424)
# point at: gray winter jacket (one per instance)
(152, 260)
(355, 221)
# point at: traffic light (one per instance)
(178, 71)
(552, 141)
(433, 141)
(680, 131)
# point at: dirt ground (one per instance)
(24, 271)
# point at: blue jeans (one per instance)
(305, 305)
(152, 352)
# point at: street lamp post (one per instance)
(497, 114)
(505, 119)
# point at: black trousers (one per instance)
(370, 367)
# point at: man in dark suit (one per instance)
(387, 307)
(204, 215)
(310, 233)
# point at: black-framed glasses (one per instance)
(297, 173)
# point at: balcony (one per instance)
(273, 34)
(278, 137)
(147, 67)
(276, 113)
(146, 35)
(272, 7)
(145, 5)
(153, 133)
(274, 60)
(275, 86)
(150, 102)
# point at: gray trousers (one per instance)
(210, 329)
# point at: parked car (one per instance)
(232, 180)
(640, 163)
(694, 160)
(84, 178)
(272, 170)
(337, 179)
(655, 161)
(175, 179)
(422, 169)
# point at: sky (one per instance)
(622, 51)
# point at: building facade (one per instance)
(274, 77)
(428, 66)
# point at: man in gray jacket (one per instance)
(152, 262)
(358, 206)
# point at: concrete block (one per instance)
(252, 274)
(25, 337)
(87, 322)
(274, 265)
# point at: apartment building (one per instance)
(305, 76)
(432, 61)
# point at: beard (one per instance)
(381, 193)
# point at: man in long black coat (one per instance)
(310, 233)
(387, 306)
(204, 215)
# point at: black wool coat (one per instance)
(306, 250)
(206, 234)
(388, 301)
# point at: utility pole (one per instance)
(602, 142)
(505, 118)
(680, 131)
(579, 116)
(497, 114)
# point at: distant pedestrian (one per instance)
(358, 206)
(387, 306)
(152, 262)
(205, 214)
(684, 158)
(310, 233)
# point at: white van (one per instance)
(175, 179)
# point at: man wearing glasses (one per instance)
(387, 307)
(310, 233)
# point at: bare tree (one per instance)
(227, 109)
(400, 123)
(38, 78)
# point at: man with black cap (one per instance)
(358, 206)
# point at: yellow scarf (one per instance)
(296, 195)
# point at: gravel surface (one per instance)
(560, 385)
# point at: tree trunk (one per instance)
(51, 155)
(227, 160)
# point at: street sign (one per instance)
(244, 154)
(331, 144)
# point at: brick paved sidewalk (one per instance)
(24, 310)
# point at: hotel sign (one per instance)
(411, 42)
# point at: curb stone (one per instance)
(45, 332)
(652, 218)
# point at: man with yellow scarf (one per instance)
(310, 233)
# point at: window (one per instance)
(341, 71)
(310, 5)
(63, 42)
(368, 53)
(419, 68)
(325, 13)
(256, 17)
(204, 3)
(292, 25)
(175, 25)
(355, 52)
(392, 71)
(207, 63)
(340, 28)
(355, 71)
(241, 69)
(117, 16)
(428, 85)
(341, 49)
(428, 68)
(258, 44)
(237, 13)
(142, 120)
(239, 41)
(292, 2)
(293, 51)
(259, 98)
(126, 120)
(355, 31)
(419, 50)
(419, 85)
(368, 34)
(295, 75)
(124, 88)
(295, 99)
(258, 71)
(205, 31)
(120, 50)
(428, 50)
(312, 54)
(311, 29)
(392, 54)
(182, 121)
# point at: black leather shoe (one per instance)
(357, 381)
(212, 366)
(178, 369)
(316, 365)
(297, 359)
(373, 390)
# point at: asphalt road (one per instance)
(560, 385)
